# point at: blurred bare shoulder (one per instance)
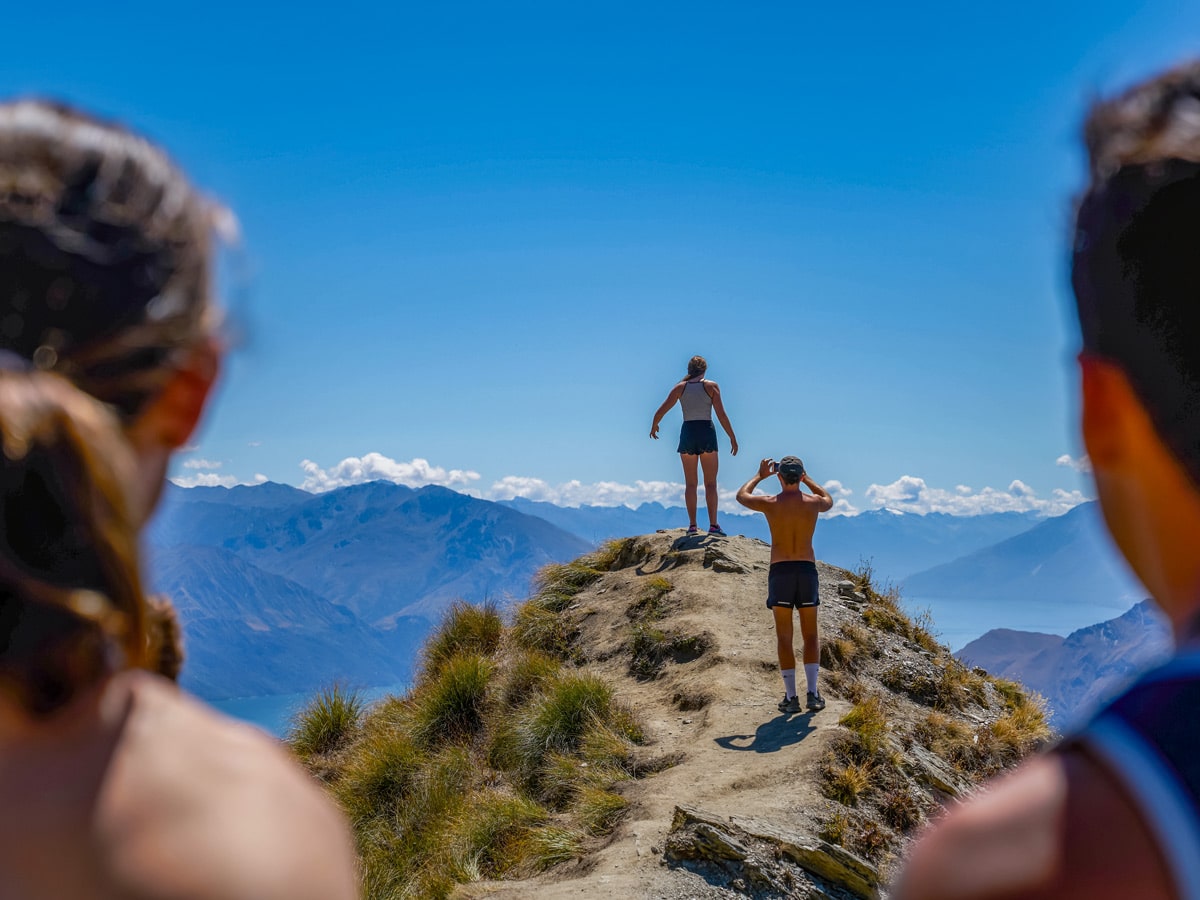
(1037, 833)
(212, 807)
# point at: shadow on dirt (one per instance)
(771, 736)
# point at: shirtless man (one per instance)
(792, 581)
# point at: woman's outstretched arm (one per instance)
(672, 399)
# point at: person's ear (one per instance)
(171, 416)
(1107, 403)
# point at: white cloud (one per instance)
(201, 464)
(377, 467)
(206, 479)
(841, 503)
(615, 493)
(260, 478)
(1082, 464)
(911, 494)
(576, 493)
(254, 444)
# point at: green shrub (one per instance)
(327, 723)
(464, 629)
(379, 773)
(537, 628)
(599, 810)
(558, 719)
(490, 836)
(553, 844)
(528, 672)
(451, 706)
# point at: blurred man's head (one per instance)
(1136, 276)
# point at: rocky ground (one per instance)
(680, 626)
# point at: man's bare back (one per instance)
(791, 514)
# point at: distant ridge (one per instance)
(1079, 672)
(1067, 559)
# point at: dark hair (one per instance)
(1136, 268)
(104, 279)
(697, 365)
(104, 253)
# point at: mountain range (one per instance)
(280, 591)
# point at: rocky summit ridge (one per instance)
(747, 801)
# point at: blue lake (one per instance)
(274, 714)
(958, 622)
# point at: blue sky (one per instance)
(489, 237)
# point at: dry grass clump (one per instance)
(650, 648)
(327, 723)
(649, 605)
(848, 650)
(497, 764)
(948, 685)
(846, 782)
(612, 554)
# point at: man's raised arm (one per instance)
(819, 492)
(746, 495)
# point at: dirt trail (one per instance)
(738, 755)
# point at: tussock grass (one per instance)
(835, 829)
(901, 809)
(599, 810)
(846, 783)
(650, 648)
(537, 628)
(327, 722)
(464, 629)
(497, 764)
(451, 707)
(950, 684)
(553, 844)
(649, 606)
(490, 837)
(848, 650)
(612, 554)
(558, 719)
(529, 671)
(868, 721)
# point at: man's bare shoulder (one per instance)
(225, 804)
(1037, 833)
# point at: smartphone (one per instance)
(775, 468)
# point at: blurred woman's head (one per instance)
(697, 366)
(106, 359)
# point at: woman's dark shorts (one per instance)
(698, 436)
(793, 584)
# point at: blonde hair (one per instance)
(697, 365)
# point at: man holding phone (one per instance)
(792, 581)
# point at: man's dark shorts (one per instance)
(793, 584)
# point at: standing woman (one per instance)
(113, 782)
(698, 438)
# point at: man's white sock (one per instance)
(789, 681)
(810, 675)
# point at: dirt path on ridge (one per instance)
(738, 755)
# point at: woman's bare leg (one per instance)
(690, 462)
(709, 463)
